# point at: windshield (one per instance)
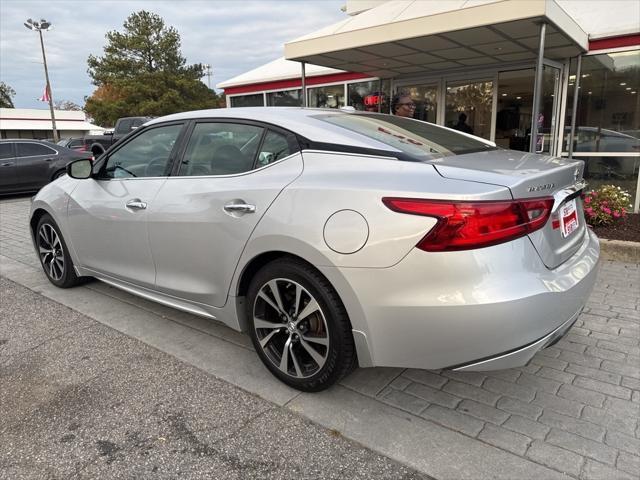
(420, 140)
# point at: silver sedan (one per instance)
(334, 238)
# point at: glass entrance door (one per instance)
(469, 107)
(515, 102)
(548, 113)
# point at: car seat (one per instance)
(228, 159)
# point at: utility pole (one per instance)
(208, 73)
(38, 27)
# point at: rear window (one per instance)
(419, 140)
(33, 149)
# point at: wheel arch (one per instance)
(36, 215)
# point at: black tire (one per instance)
(97, 151)
(328, 323)
(54, 254)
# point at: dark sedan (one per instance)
(26, 165)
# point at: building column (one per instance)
(304, 84)
(574, 110)
(537, 89)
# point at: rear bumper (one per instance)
(483, 309)
(520, 356)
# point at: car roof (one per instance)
(32, 140)
(295, 119)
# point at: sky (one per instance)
(233, 36)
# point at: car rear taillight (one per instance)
(465, 225)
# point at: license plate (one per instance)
(568, 218)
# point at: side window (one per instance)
(32, 149)
(221, 149)
(124, 126)
(147, 155)
(6, 150)
(274, 147)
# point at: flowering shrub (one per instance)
(606, 204)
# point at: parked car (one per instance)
(98, 144)
(27, 165)
(333, 238)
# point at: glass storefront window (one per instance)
(285, 98)
(369, 96)
(329, 96)
(254, 100)
(513, 117)
(468, 107)
(426, 100)
(608, 119)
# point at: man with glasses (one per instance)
(402, 105)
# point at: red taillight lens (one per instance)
(467, 225)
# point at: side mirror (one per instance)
(80, 169)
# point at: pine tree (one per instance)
(143, 73)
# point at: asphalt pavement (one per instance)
(80, 400)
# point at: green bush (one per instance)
(606, 204)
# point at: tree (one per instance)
(67, 105)
(142, 72)
(6, 95)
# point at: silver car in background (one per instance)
(333, 238)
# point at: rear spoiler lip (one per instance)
(568, 193)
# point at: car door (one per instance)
(203, 216)
(7, 167)
(107, 215)
(34, 164)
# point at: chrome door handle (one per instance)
(136, 205)
(240, 208)
(7, 165)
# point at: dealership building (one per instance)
(555, 76)
(36, 123)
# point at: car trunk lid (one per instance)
(530, 175)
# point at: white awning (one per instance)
(279, 69)
(409, 36)
(26, 124)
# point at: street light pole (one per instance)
(39, 26)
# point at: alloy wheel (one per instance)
(291, 328)
(51, 251)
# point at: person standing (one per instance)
(462, 124)
(402, 105)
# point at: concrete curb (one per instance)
(620, 250)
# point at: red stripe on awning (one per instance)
(615, 42)
(295, 82)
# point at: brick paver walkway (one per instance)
(575, 408)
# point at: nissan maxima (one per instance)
(334, 238)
